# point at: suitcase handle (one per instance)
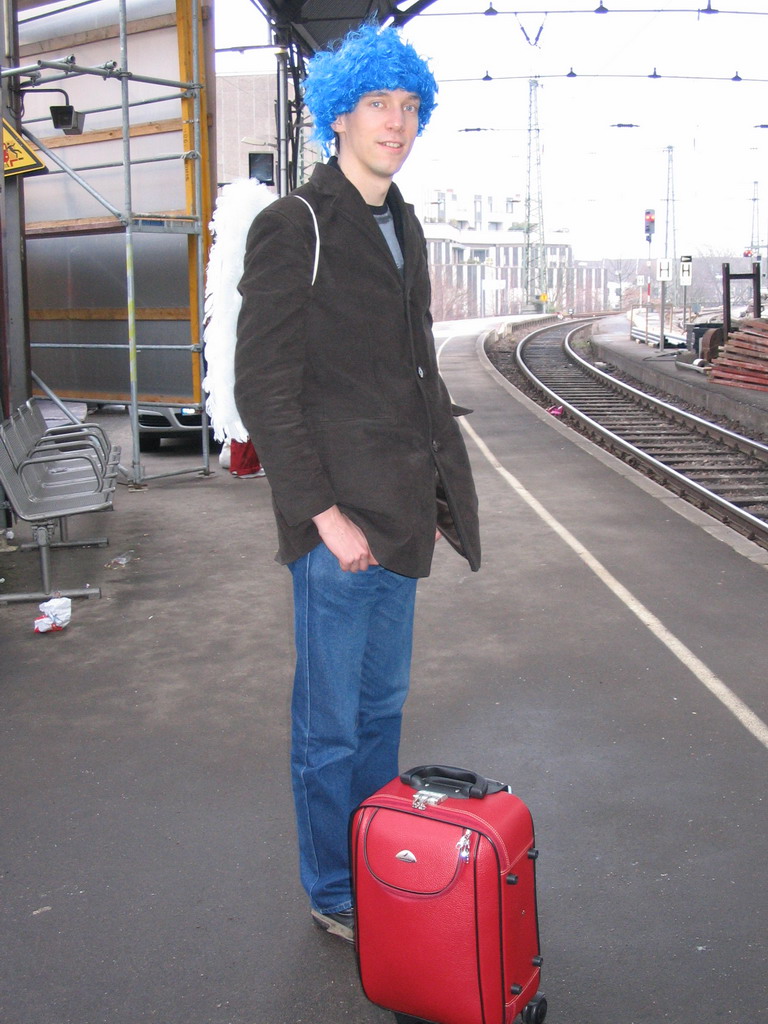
(455, 782)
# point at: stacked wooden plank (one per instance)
(743, 361)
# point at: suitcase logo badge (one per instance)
(406, 856)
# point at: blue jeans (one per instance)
(353, 634)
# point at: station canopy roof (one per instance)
(315, 23)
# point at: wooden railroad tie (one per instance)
(743, 360)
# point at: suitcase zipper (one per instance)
(484, 827)
(463, 845)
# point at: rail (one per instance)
(724, 473)
(639, 333)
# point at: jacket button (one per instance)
(420, 371)
(436, 446)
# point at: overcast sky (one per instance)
(597, 179)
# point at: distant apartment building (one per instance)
(481, 261)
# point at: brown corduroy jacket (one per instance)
(337, 381)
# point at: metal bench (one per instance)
(66, 457)
(32, 414)
(50, 474)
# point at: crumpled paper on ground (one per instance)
(56, 615)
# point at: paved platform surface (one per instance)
(608, 661)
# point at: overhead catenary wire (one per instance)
(601, 9)
(605, 76)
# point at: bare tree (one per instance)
(625, 273)
(706, 290)
(449, 302)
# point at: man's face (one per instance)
(376, 137)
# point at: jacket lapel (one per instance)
(410, 239)
(349, 204)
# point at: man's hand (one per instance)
(344, 539)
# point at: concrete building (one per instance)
(246, 135)
(477, 252)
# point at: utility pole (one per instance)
(669, 224)
(534, 256)
(755, 249)
(650, 228)
(754, 244)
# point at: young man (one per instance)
(337, 384)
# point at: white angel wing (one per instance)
(236, 207)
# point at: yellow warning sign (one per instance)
(18, 156)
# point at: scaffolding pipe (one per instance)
(106, 347)
(119, 163)
(198, 213)
(67, 66)
(108, 70)
(133, 373)
(54, 398)
(282, 120)
(115, 106)
(74, 175)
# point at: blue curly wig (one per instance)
(366, 59)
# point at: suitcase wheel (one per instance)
(535, 1011)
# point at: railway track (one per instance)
(722, 472)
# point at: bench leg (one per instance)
(43, 541)
(91, 542)
(17, 598)
(65, 542)
(42, 535)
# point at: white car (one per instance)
(159, 421)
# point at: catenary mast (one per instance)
(535, 265)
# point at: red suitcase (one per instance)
(447, 931)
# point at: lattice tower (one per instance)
(670, 232)
(535, 264)
(754, 244)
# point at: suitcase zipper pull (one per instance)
(463, 845)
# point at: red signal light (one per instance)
(650, 224)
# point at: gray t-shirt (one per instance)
(383, 217)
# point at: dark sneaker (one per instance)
(341, 924)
